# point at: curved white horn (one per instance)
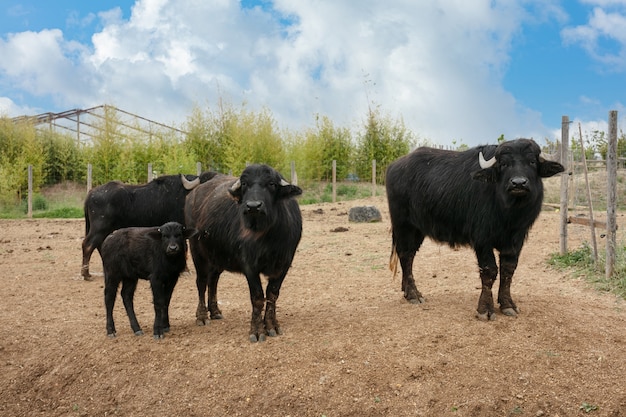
(283, 182)
(189, 185)
(236, 185)
(485, 164)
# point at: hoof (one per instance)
(111, 335)
(166, 329)
(486, 316)
(510, 311)
(87, 278)
(418, 300)
(217, 316)
(158, 337)
(272, 333)
(253, 338)
(139, 333)
(201, 322)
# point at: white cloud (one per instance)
(603, 37)
(436, 64)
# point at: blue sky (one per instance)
(454, 71)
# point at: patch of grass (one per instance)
(580, 262)
(61, 213)
(322, 192)
(588, 408)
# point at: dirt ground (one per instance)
(352, 345)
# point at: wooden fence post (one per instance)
(334, 180)
(89, 176)
(198, 168)
(564, 181)
(373, 178)
(294, 174)
(149, 172)
(30, 192)
(611, 203)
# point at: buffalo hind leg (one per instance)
(206, 279)
(488, 273)
(508, 264)
(407, 242)
(128, 294)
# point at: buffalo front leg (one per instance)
(488, 274)
(257, 325)
(214, 310)
(508, 264)
(273, 290)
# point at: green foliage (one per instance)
(19, 147)
(322, 145)
(383, 140)
(582, 263)
(61, 213)
(63, 158)
(107, 149)
(588, 408)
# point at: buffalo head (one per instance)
(257, 191)
(172, 236)
(517, 167)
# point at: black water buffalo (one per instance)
(157, 254)
(251, 224)
(462, 199)
(115, 205)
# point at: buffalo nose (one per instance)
(254, 206)
(519, 182)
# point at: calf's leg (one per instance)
(110, 293)
(128, 294)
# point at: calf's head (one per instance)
(172, 236)
(257, 191)
(517, 168)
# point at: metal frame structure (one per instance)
(84, 122)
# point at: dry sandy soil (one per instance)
(352, 345)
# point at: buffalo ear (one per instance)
(155, 234)
(485, 175)
(188, 233)
(235, 190)
(288, 190)
(549, 168)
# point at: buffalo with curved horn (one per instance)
(463, 198)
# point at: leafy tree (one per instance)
(384, 140)
(63, 158)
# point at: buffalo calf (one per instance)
(485, 197)
(157, 254)
(251, 224)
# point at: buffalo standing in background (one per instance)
(115, 205)
(251, 224)
(157, 254)
(462, 199)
